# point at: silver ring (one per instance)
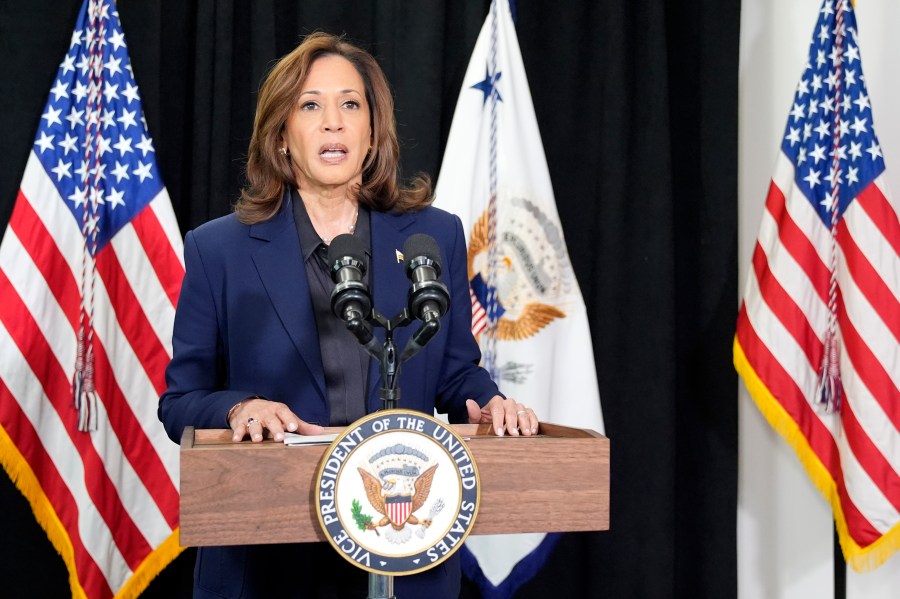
(521, 412)
(251, 421)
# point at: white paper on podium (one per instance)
(295, 439)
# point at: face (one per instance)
(328, 133)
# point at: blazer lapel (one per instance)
(281, 269)
(389, 283)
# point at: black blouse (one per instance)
(345, 362)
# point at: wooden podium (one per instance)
(235, 493)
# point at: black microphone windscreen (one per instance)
(345, 245)
(419, 245)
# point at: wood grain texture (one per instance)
(255, 493)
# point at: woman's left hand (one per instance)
(505, 415)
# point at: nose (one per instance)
(332, 119)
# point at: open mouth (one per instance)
(333, 151)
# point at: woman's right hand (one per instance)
(257, 415)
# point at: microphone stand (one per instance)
(381, 586)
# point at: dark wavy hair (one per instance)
(268, 171)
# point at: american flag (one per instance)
(818, 333)
(90, 269)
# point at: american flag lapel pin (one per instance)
(399, 256)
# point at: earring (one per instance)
(283, 151)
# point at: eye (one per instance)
(351, 104)
(309, 105)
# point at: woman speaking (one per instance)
(256, 346)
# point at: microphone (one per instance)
(428, 297)
(350, 300)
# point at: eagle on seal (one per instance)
(532, 317)
(380, 500)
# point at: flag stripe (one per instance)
(141, 476)
(49, 206)
(136, 268)
(133, 323)
(781, 385)
(870, 458)
(133, 380)
(160, 253)
(789, 274)
(26, 279)
(30, 285)
(797, 242)
(869, 369)
(871, 419)
(872, 287)
(31, 232)
(165, 216)
(857, 481)
(785, 309)
(139, 448)
(136, 446)
(63, 503)
(64, 231)
(789, 392)
(873, 332)
(26, 334)
(51, 436)
(872, 199)
(860, 490)
(479, 316)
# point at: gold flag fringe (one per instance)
(150, 568)
(861, 559)
(23, 477)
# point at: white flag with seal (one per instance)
(528, 313)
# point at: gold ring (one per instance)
(251, 421)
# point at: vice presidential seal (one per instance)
(397, 492)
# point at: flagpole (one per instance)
(840, 566)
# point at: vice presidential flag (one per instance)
(528, 313)
(90, 270)
(818, 332)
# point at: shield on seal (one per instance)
(398, 508)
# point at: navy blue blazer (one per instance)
(245, 326)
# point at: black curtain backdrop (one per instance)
(637, 106)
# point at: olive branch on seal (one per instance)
(363, 521)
